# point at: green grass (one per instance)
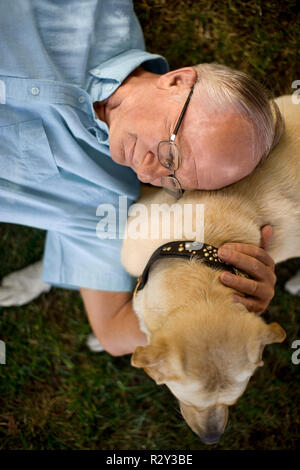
(258, 37)
(54, 393)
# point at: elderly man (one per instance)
(84, 109)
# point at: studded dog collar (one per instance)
(186, 249)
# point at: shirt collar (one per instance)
(109, 75)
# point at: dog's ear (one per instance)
(147, 356)
(272, 333)
(154, 359)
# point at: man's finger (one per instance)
(250, 304)
(244, 285)
(247, 286)
(232, 249)
(266, 233)
(254, 264)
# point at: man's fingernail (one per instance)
(227, 277)
(223, 252)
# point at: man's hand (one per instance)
(258, 264)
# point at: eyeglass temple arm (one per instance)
(182, 114)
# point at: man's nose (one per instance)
(151, 168)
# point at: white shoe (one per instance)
(293, 284)
(20, 287)
(93, 344)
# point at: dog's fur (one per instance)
(201, 344)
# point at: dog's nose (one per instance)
(212, 438)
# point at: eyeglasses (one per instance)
(168, 155)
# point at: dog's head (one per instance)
(202, 345)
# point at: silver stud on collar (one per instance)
(194, 246)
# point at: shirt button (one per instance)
(81, 99)
(110, 87)
(97, 72)
(35, 90)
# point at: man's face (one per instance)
(216, 145)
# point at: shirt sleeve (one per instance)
(71, 261)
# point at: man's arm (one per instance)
(113, 320)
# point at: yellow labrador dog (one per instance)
(201, 344)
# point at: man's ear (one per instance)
(272, 333)
(185, 77)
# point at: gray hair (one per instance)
(228, 86)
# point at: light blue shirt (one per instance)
(57, 58)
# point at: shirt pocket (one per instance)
(25, 153)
